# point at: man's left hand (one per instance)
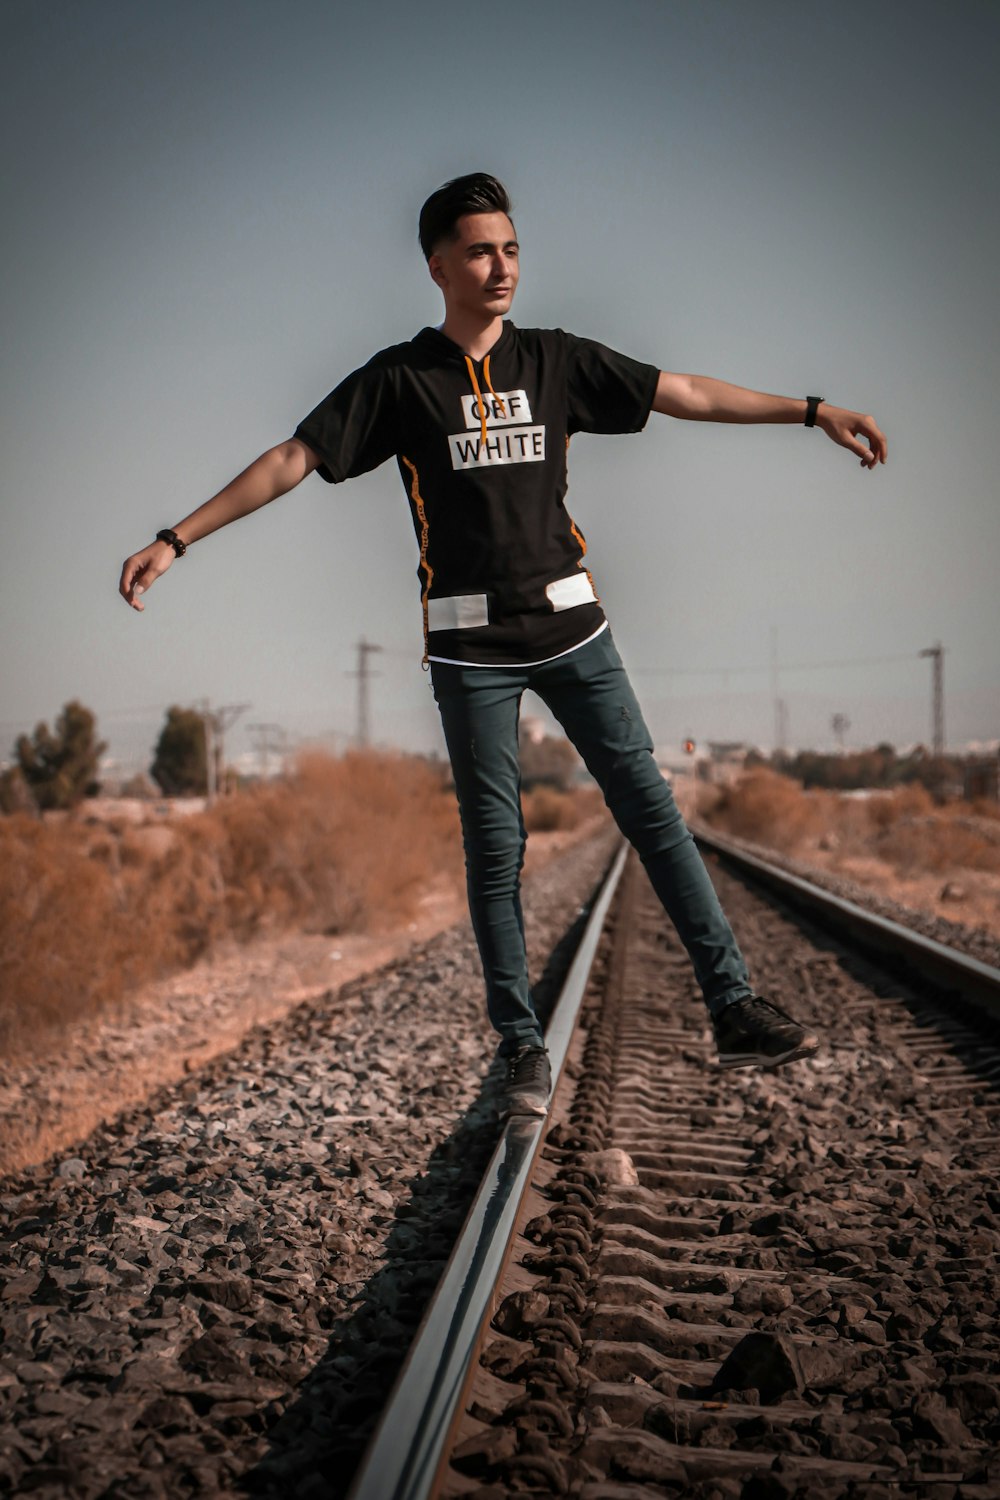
(848, 427)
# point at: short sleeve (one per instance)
(354, 429)
(608, 392)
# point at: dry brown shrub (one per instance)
(936, 844)
(906, 829)
(88, 913)
(65, 944)
(547, 810)
(708, 795)
(917, 836)
(770, 809)
(913, 801)
(394, 824)
(341, 844)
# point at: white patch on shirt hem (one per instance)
(458, 612)
(569, 593)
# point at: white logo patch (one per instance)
(512, 440)
(505, 409)
(511, 445)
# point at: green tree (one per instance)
(179, 762)
(61, 768)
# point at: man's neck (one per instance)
(471, 334)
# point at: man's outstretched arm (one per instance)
(276, 472)
(698, 398)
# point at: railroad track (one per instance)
(705, 1283)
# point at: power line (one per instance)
(271, 739)
(216, 722)
(854, 661)
(792, 666)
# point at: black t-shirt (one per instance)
(481, 447)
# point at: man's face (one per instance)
(478, 271)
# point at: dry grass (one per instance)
(905, 828)
(86, 914)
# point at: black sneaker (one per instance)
(527, 1084)
(753, 1031)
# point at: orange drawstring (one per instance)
(486, 373)
(480, 403)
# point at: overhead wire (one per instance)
(781, 666)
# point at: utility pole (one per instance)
(225, 718)
(204, 708)
(936, 652)
(778, 705)
(840, 724)
(363, 674)
(270, 741)
(216, 723)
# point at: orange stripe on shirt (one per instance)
(418, 504)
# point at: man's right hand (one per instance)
(143, 569)
(274, 473)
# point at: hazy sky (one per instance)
(210, 219)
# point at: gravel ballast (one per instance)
(214, 1293)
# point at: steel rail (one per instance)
(411, 1443)
(928, 959)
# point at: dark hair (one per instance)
(476, 193)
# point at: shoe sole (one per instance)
(524, 1107)
(758, 1060)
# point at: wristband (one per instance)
(812, 403)
(172, 540)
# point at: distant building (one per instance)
(724, 762)
(720, 761)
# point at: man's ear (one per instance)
(437, 271)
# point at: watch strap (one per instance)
(172, 540)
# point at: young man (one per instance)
(478, 415)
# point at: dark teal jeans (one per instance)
(590, 695)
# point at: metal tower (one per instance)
(936, 652)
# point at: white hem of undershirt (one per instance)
(449, 661)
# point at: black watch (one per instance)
(812, 403)
(172, 540)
